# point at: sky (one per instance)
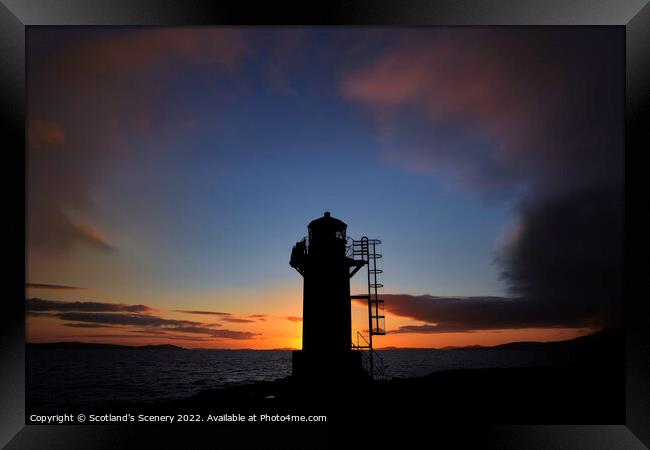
(170, 171)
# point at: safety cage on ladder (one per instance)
(366, 249)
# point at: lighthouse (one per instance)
(325, 259)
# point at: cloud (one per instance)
(495, 108)
(534, 115)
(39, 314)
(150, 324)
(193, 329)
(294, 318)
(37, 304)
(91, 236)
(227, 317)
(569, 254)
(148, 331)
(124, 319)
(260, 317)
(171, 333)
(51, 231)
(56, 287)
(124, 51)
(230, 334)
(238, 320)
(207, 313)
(82, 314)
(465, 314)
(86, 325)
(131, 336)
(90, 93)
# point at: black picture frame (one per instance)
(16, 15)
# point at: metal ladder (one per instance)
(367, 250)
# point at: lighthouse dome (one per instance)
(327, 222)
(326, 227)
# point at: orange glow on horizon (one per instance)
(280, 330)
(278, 333)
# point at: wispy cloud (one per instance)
(227, 317)
(260, 317)
(87, 325)
(155, 332)
(169, 326)
(124, 319)
(40, 314)
(37, 304)
(230, 334)
(131, 336)
(238, 320)
(193, 329)
(203, 313)
(55, 287)
(91, 236)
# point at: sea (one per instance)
(90, 376)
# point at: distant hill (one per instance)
(462, 347)
(92, 345)
(608, 337)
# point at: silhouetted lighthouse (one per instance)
(326, 262)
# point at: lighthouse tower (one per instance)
(327, 348)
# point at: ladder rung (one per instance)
(376, 285)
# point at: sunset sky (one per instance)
(170, 171)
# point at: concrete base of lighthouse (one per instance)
(333, 366)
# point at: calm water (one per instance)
(85, 376)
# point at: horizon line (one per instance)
(449, 347)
